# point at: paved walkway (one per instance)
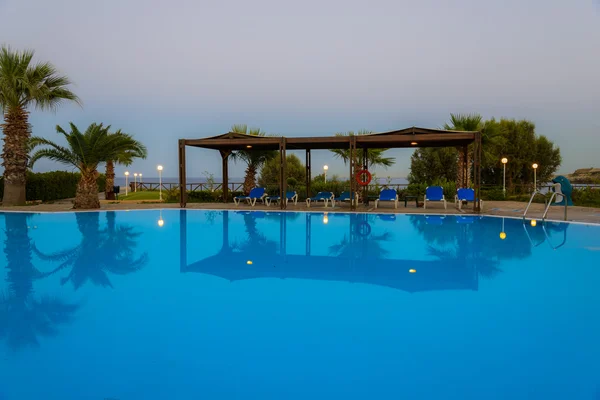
(502, 208)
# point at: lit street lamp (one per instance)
(504, 161)
(325, 168)
(126, 182)
(535, 167)
(135, 181)
(159, 168)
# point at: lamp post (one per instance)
(535, 167)
(325, 168)
(135, 181)
(159, 169)
(126, 182)
(140, 181)
(504, 161)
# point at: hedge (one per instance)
(50, 186)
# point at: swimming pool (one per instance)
(250, 305)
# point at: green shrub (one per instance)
(50, 186)
(586, 197)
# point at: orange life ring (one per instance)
(359, 179)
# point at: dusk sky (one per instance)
(189, 69)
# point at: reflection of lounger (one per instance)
(325, 197)
(387, 217)
(465, 220)
(255, 194)
(434, 219)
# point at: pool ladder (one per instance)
(546, 203)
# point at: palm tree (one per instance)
(375, 156)
(23, 84)
(254, 159)
(490, 136)
(23, 316)
(99, 253)
(464, 122)
(125, 158)
(85, 151)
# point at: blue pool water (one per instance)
(240, 305)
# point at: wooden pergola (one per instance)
(405, 138)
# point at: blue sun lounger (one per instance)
(325, 197)
(345, 196)
(434, 193)
(388, 195)
(255, 194)
(288, 196)
(465, 194)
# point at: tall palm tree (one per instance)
(85, 151)
(254, 159)
(125, 158)
(100, 252)
(490, 136)
(24, 316)
(375, 156)
(464, 122)
(24, 84)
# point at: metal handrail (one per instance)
(535, 192)
(547, 204)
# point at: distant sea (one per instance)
(121, 181)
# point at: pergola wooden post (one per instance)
(308, 173)
(282, 175)
(477, 172)
(182, 174)
(365, 166)
(352, 172)
(225, 163)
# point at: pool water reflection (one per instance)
(217, 304)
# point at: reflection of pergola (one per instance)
(359, 266)
(410, 137)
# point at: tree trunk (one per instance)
(469, 169)
(87, 191)
(460, 183)
(250, 179)
(15, 155)
(110, 180)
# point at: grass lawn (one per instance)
(141, 195)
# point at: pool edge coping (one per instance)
(300, 211)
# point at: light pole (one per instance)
(126, 182)
(504, 161)
(159, 168)
(325, 168)
(535, 167)
(140, 178)
(135, 181)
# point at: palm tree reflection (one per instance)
(100, 253)
(23, 316)
(484, 243)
